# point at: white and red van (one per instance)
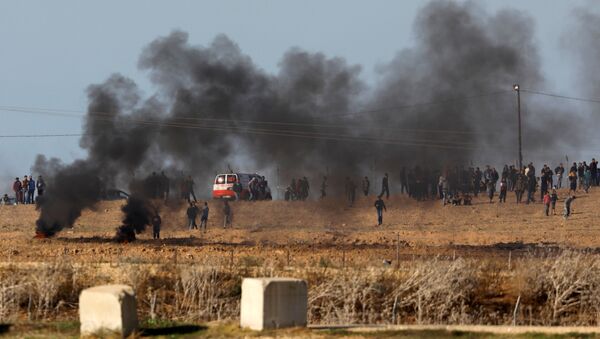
(223, 185)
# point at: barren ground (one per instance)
(312, 231)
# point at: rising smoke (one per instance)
(213, 107)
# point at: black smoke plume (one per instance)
(445, 101)
(138, 213)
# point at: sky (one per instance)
(50, 51)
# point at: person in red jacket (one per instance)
(18, 189)
(547, 201)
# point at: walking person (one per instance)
(380, 207)
(547, 201)
(227, 214)
(520, 186)
(568, 202)
(204, 217)
(192, 213)
(385, 187)
(156, 222)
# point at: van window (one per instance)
(220, 179)
(231, 179)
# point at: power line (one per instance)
(597, 101)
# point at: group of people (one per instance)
(258, 189)
(159, 187)
(25, 190)
(297, 190)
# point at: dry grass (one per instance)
(558, 289)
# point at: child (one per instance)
(547, 201)
(554, 199)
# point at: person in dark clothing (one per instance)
(403, 181)
(156, 222)
(190, 188)
(520, 186)
(477, 175)
(192, 213)
(503, 190)
(41, 186)
(380, 207)
(365, 185)
(350, 189)
(568, 202)
(18, 189)
(227, 214)
(385, 188)
(553, 200)
(204, 217)
(559, 171)
(324, 187)
(30, 190)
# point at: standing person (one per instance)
(385, 187)
(572, 182)
(156, 222)
(587, 179)
(190, 189)
(24, 189)
(227, 214)
(520, 186)
(547, 201)
(568, 202)
(491, 189)
(31, 190)
(443, 189)
(165, 185)
(204, 217)
(477, 181)
(554, 199)
(380, 207)
(324, 187)
(559, 171)
(237, 189)
(192, 213)
(350, 188)
(18, 189)
(41, 186)
(503, 189)
(365, 185)
(403, 181)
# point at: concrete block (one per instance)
(273, 303)
(108, 308)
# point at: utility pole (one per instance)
(517, 88)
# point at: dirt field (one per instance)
(306, 232)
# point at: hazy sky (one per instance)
(50, 51)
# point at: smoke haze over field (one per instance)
(445, 101)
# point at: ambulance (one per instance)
(223, 185)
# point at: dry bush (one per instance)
(435, 291)
(564, 289)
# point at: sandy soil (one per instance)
(314, 232)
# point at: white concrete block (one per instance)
(273, 303)
(108, 308)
